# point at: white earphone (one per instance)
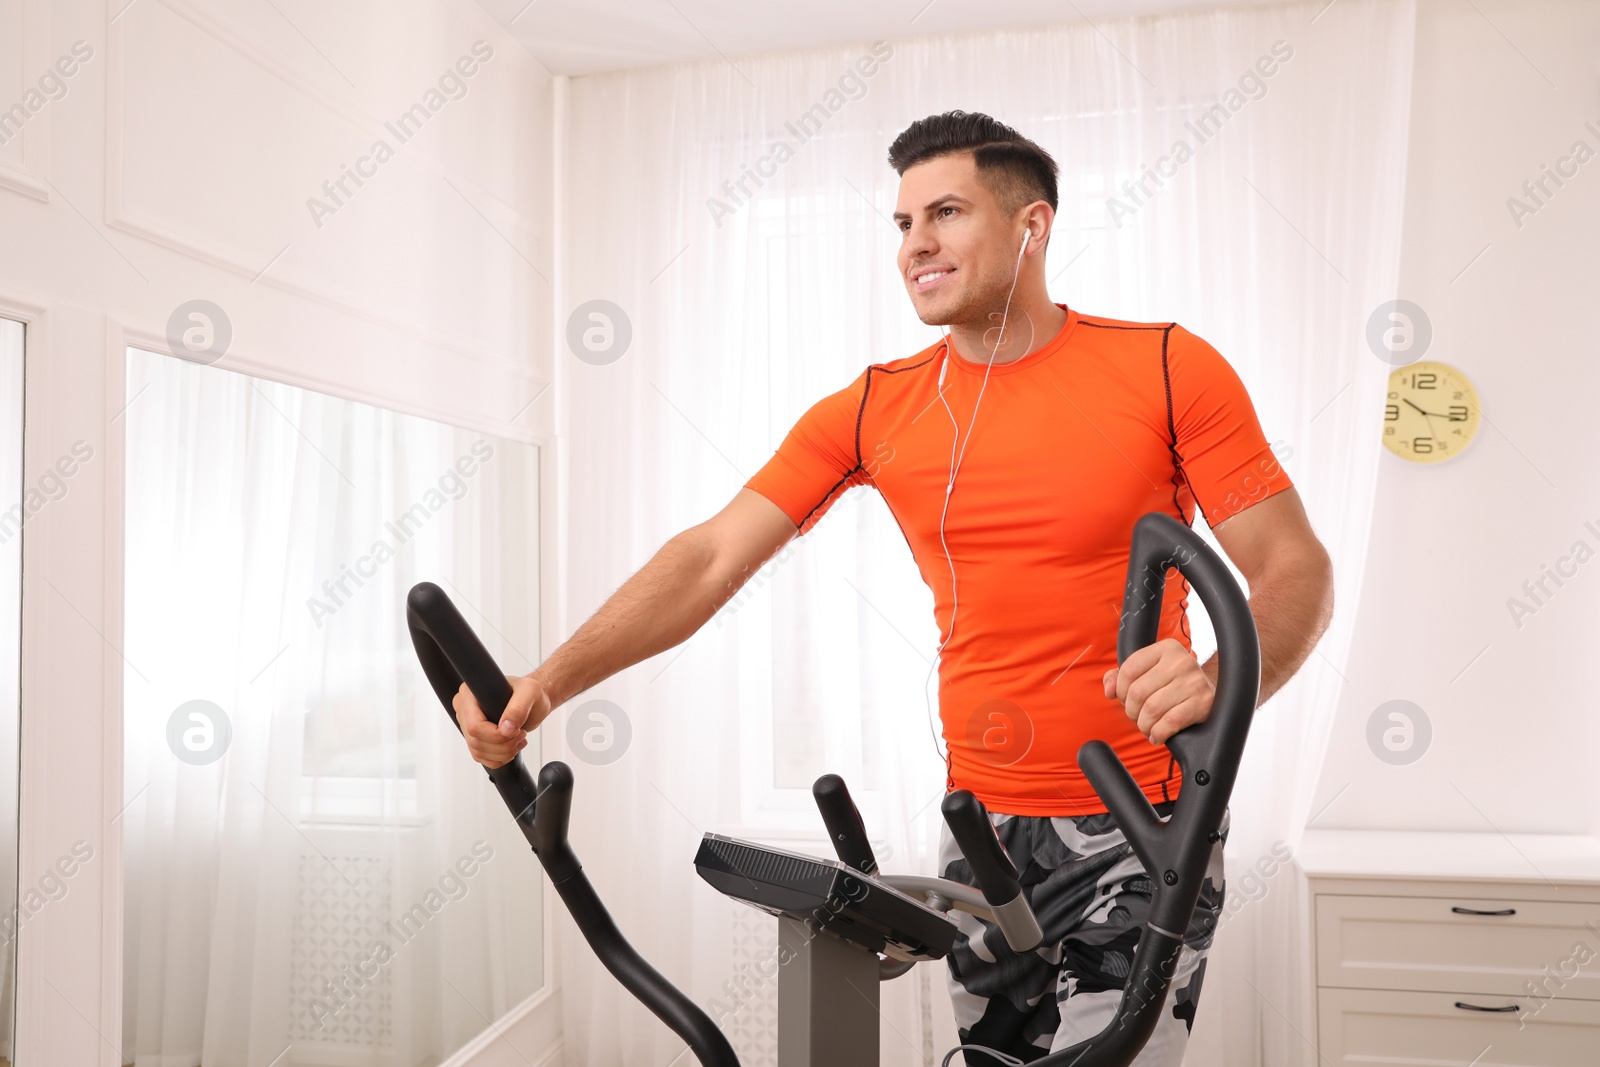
(950, 483)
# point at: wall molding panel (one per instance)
(177, 166)
(25, 175)
(272, 263)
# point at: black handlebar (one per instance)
(449, 651)
(648, 985)
(1175, 853)
(992, 869)
(843, 820)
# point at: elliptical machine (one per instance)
(843, 926)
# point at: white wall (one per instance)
(178, 165)
(1501, 89)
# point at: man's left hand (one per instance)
(1163, 689)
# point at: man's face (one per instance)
(950, 222)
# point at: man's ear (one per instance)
(1040, 220)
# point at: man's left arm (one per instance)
(1164, 688)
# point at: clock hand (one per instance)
(1434, 413)
(1429, 416)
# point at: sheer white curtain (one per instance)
(1274, 238)
(272, 534)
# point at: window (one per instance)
(835, 633)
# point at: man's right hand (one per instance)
(495, 746)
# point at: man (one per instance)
(1078, 425)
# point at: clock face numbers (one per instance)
(1431, 412)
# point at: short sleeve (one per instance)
(818, 460)
(1225, 457)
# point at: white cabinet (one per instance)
(1434, 949)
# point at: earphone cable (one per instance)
(950, 484)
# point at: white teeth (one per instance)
(930, 277)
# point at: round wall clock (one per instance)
(1431, 412)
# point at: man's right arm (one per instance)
(662, 605)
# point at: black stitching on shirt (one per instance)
(861, 414)
(1177, 469)
(1108, 326)
(829, 495)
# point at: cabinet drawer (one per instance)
(1433, 943)
(1375, 1028)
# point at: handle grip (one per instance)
(993, 870)
(1161, 542)
(449, 652)
(843, 820)
(1175, 853)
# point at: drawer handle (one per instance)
(1475, 911)
(1464, 1006)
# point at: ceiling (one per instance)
(588, 36)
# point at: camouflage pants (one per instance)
(1092, 896)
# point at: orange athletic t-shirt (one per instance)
(1073, 443)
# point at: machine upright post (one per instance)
(827, 1000)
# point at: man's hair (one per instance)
(1013, 168)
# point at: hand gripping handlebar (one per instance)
(450, 653)
(1175, 852)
